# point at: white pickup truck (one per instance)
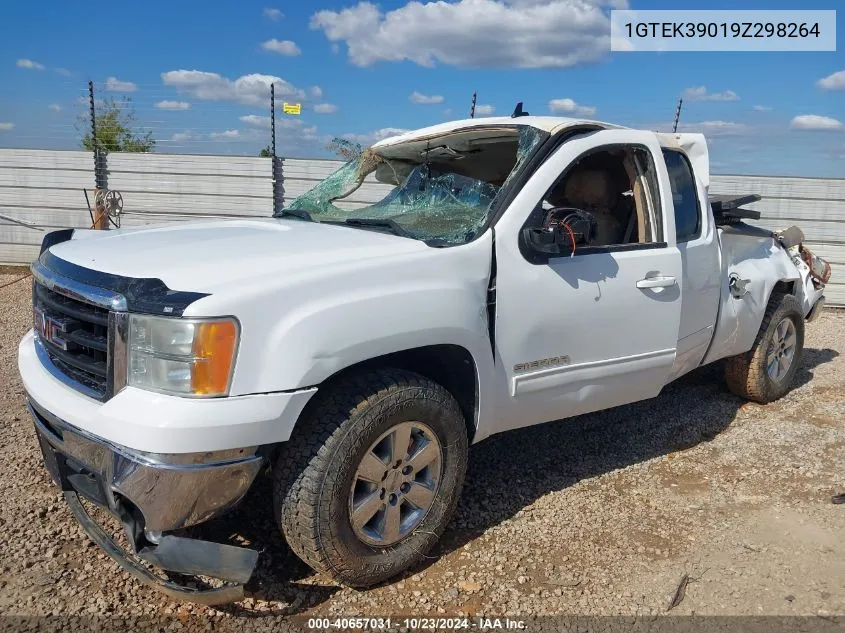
(521, 270)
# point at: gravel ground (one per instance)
(603, 514)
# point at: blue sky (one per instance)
(197, 74)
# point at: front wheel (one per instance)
(766, 372)
(368, 483)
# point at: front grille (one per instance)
(75, 336)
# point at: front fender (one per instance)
(301, 328)
(319, 340)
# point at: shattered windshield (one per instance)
(437, 189)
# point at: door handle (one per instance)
(656, 282)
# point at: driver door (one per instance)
(592, 329)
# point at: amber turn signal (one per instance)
(215, 345)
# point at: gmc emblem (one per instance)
(50, 329)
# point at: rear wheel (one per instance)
(767, 371)
(370, 480)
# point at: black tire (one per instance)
(747, 375)
(313, 475)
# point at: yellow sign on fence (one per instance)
(292, 108)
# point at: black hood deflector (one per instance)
(147, 295)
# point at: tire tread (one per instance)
(299, 470)
(745, 374)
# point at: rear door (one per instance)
(593, 329)
(687, 166)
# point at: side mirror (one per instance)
(539, 243)
(543, 241)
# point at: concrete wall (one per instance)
(45, 188)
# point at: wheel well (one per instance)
(451, 366)
(783, 288)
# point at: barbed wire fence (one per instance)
(223, 120)
(122, 126)
(231, 155)
(212, 120)
(121, 161)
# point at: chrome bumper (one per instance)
(151, 494)
(171, 491)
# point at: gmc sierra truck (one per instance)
(519, 270)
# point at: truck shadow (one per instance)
(510, 471)
(690, 411)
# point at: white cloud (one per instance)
(113, 84)
(316, 92)
(447, 112)
(249, 89)
(374, 137)
(484, 110)
(568, 106)
(700, 94)
(64, 72)
(473, 33)
(325, 108)
(227, 134)
(762, 108)
(273, 14)
(836, 81)
(816, 122)
(291, 131)
(256, 120)
(29, 64)
(7, 126)
(55, 107)
(187, 135)
(172, 105)
(296, 129)
(419, 98)
(282, 47)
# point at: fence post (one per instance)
(101, 219)
(273, 120)
(677, 115)
(278, 180)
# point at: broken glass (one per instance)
(432, 200)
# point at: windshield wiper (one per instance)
(294, 213)
(391, 225)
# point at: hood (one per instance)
(205, 256)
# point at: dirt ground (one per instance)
(605, 514)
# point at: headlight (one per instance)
(192, 357)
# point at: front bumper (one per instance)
(170, 491)
(158, 463)
(151, 494)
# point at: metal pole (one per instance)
(273, 120)
(94, 133)
(101, 221)
(472, 107)
(278, 182)
(677, 115)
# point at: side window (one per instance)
(607, 198)
(684, 195)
